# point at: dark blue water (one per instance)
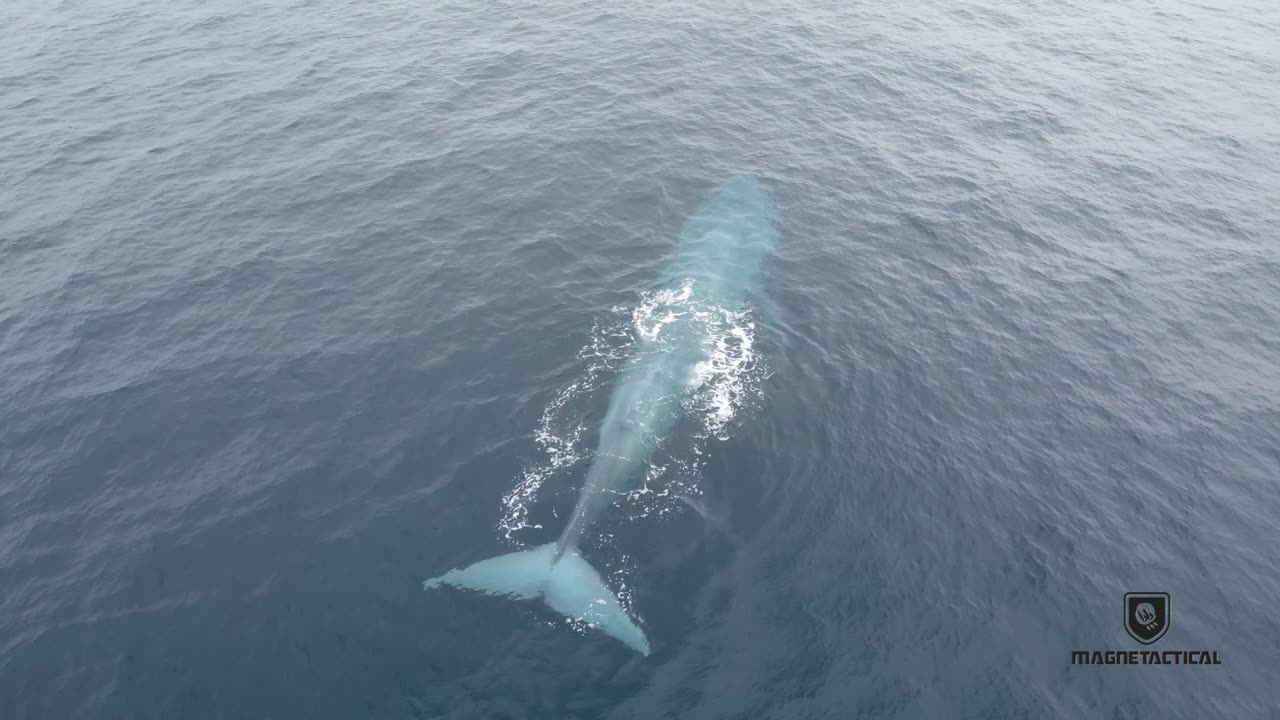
(303, 301)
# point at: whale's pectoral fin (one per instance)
(569, 585)
(774, 320)
(770, 310)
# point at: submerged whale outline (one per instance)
(719, 262)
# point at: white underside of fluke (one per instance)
(570, 586)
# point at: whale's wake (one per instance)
(724, 383)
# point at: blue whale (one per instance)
(719, 263)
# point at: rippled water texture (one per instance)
(297, 297)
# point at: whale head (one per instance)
(724, 244)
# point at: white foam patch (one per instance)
(559, 438)
(728, 379)
(659, 309)
(720, 386)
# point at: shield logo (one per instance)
(1146, 616)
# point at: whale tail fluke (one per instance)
(570, 586)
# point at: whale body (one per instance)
(718, 263)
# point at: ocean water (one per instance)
(304, 301)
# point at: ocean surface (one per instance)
(305, 301)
